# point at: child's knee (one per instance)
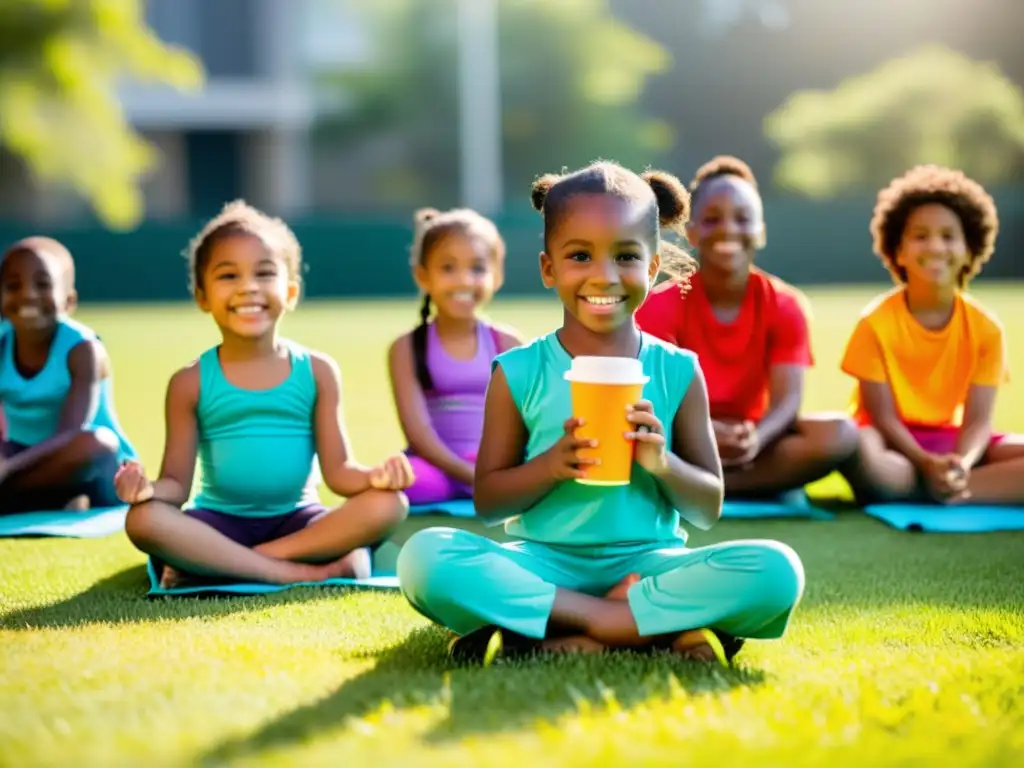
(781, 583)
(389, 508)
(93, 445)
(837, 439)
(142, 525)
(420, 564)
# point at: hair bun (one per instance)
(724, 165)
(540, 189)
(672, 197)
(423, 215)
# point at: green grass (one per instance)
(907, 648)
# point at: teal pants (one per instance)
(465, 581)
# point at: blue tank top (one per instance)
(575, 514)
(456, 404)
(33, 406)
(257, 450)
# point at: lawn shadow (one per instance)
(503, 697)
(121, 599)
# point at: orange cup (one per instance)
(602, 388)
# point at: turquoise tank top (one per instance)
(33, 406)
(574, 514)
(257, 450)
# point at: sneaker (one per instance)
(484, 645)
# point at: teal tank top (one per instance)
(257, 450)
(33, 406)
(574, 514)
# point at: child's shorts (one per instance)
(942, 440)
(253, 531)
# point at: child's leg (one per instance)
(362, 521)
(999, 478)
(465, 582)
(815, 447)
(75, 468)
(879, 474)
(432, 485)
(208, 544)
(83, 466)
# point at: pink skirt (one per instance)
(943, 439)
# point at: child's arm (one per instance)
(412, 414)
(88, 366)
(789, 355)
(690, 475)
(976, 431)
(341, 473)
(177, 470)
(508, 337)
(881, 407)
(785, 394)
(990, 372)
(504, 485)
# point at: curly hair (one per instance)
(238, 217)
(431, 227)
(933, 184)
(716, 168)
(666, 205)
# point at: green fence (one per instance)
(808, 243)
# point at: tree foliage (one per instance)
(60, 64)
(932, 106)
(571, 79)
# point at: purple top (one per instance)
(456, 404)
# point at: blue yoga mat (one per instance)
(793, 505)
(456, 508)
(243, 588)
(939, 519)
(90, 524)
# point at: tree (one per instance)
(932, 106)
(60, 63)
(571, 77)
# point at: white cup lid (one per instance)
(607, 370)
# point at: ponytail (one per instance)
(419, 347)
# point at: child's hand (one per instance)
(738, 442)
(649, 436)
(946, 476)
(131, 483)
(395, 474)
(562, 460)
(748, 446)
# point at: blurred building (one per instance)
(246, 133)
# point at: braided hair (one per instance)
(431, 228)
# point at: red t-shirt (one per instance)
(770, 329)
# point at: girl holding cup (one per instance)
(600, 559)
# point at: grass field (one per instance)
(907, 649)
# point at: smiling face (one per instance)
(459, 273)
(34, 290)
(728, 225)
(600, 261)
(245, 287)
(933, 250)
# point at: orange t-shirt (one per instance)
(736, 357)
(929, 372)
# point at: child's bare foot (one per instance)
(355, 565)
(575, 644)
(77, 504)
(699, 645)
(620, 590)
(171, 578)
